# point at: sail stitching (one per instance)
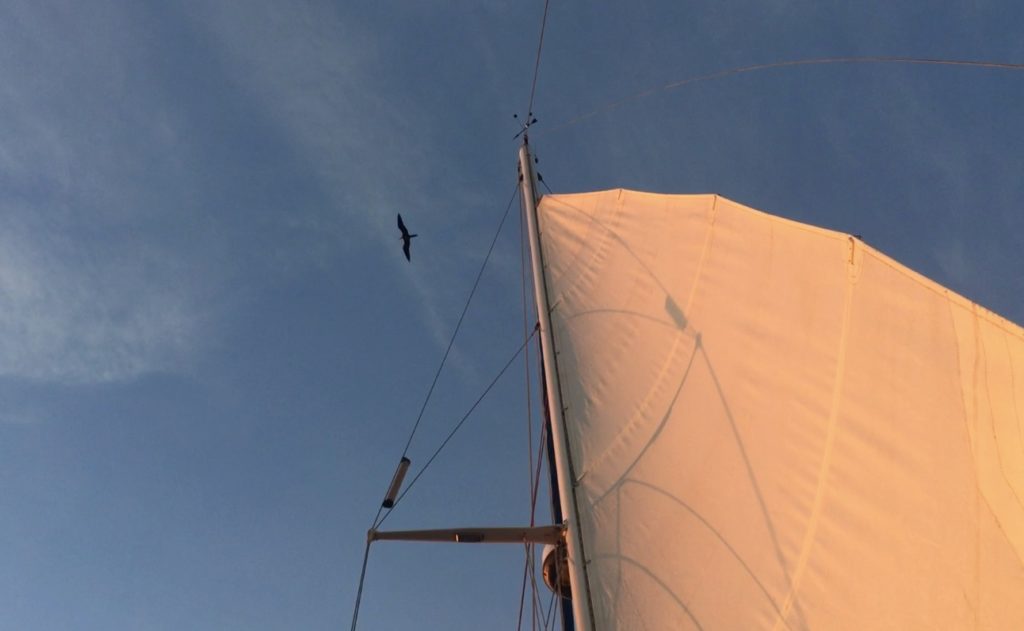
(971, 418)
(982, 375)
(1013, 388)
(826, 460)
(979, 495)
(570, 465)
(703, 253)
(995, 434)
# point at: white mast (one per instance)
(581, 599)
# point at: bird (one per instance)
(406, 237)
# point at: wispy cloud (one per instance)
(146, 179)
(310, 72)
(323, 78)
(68, 313)
(91, 290)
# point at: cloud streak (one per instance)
(325, 79)
(70, 315)
(93, 285)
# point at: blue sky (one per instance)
(212, 350)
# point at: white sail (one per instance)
(775, 426)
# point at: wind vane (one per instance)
(526, 126)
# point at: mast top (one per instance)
(530, 119)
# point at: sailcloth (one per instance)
(775, 426)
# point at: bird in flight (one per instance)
(406, 237)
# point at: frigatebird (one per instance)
(406, 237)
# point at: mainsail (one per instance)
(775, 426)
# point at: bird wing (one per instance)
(401, 225)
(405, 248)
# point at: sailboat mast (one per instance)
(581, 601)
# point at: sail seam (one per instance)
(826, 458)
(1013, 388)
(703, 254)
(987, 490)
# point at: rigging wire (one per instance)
(362, 579)
(456, 428)
(536, 64)
(785, 64)
(530, 569)
(549, 617)
(444, 443)
(541, 449)
(540, 179)
(378, 520)
(458, 325)
(536, 483)
(522, 593)
(538, 608)
(451, 341)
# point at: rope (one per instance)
(533, 512)
(522, 591)
(536, 484)
(548, 617)
(538, 607)
(362, 578)
(530, 567)
(458, 425)
(536, 64)
(784, 64)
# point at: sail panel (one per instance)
(775, 426)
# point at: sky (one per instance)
(212, 350)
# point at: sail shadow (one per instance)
(678, 319)
(618, 580)
(769, 524)
(617, 485)
(620, 558)
(623, 478)
(590, 245)
(675, 312)
(718, 535)
(576, 260)
(661, 424)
